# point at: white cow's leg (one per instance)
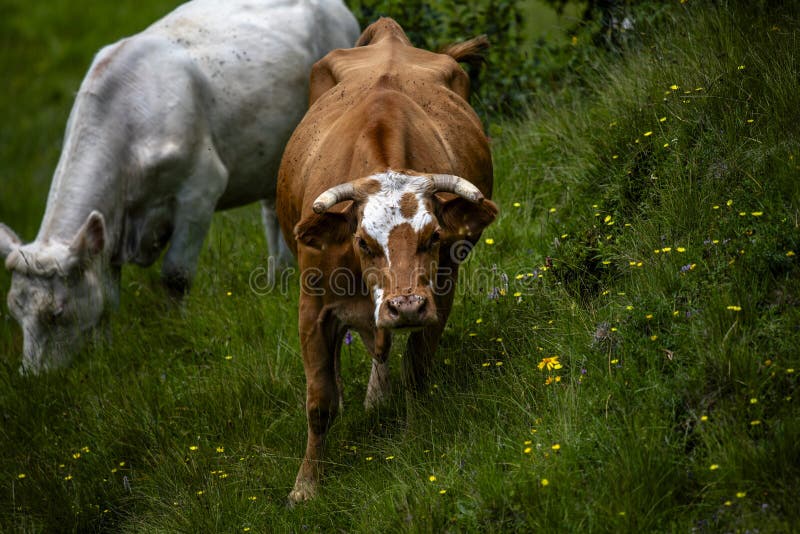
(280, 257)
(193, 215)
(378, 344)
(378, 388)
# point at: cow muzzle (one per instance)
(407, 311)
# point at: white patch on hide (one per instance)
(382, 209)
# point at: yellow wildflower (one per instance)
(544, 482)
(551, 363)
(489, 241)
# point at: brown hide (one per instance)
(382, 105)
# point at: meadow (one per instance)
(622, 356)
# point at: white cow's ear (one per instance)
(8, 240)
(91, 238)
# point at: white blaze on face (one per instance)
(378, 298)
(382, 210)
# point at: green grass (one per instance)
(658, 375)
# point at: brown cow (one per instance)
(386, 174)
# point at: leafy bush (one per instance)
(506, 84)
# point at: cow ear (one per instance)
(462, 219)
(320, 231)
(8, 240)
(91, 238)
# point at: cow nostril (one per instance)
(392, 309)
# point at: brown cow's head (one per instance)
(398, 227)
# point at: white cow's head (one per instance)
(397, 228)
(57, 291)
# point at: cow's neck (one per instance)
(90, 175)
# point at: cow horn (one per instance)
(449, 183)
(333, 196)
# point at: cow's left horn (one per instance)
(333, 196)
(449, 183)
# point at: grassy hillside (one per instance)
(622, 356)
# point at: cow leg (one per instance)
(193, 214)
(378, 344)
(280, 257)
(422, 344)
(318, 335)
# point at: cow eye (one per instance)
(362, 244)
(435, 237)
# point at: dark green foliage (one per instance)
(506, 83)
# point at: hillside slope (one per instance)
(622, 356)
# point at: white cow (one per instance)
(185, 118)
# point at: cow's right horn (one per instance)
(449, 183)
(333, 196)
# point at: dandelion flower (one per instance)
(648, 133)
(754, 401)
(21, 476)
(442, 491)
(199, 492)
(556, 447)
(390, 457)
(713, 467)
(757, 213)
(517, 205)
(252, 498)
(662, 119)
(220, 449)
(789, 253)
(68, 477)
(674, 87)
(544, 482)
(193, 447)
(728, 503)
(479, 320)
(432, 478)
(653, 337)
(741, 494)
(681, 249)
(734, 308)
(489, 241)
(704, 418)
(755, 422)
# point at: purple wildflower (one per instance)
(348, 338)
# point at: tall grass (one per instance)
(663, 278)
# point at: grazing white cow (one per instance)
(185, 118)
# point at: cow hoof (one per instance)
(177, 284)
(304, 490)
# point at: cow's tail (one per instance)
(470, 52)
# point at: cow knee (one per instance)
(320, 418)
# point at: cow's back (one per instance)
(391, 107)
(255, 57)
